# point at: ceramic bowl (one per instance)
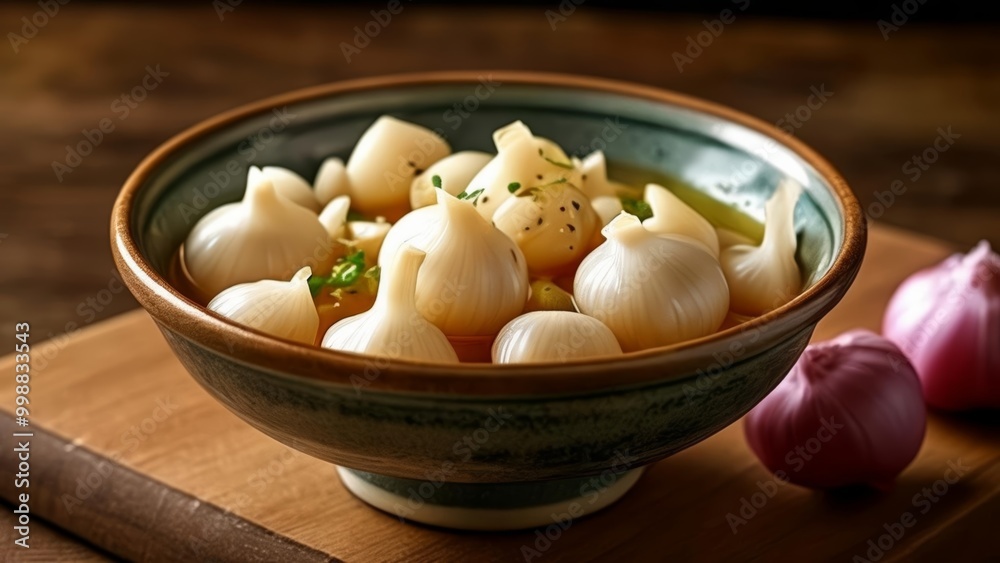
(476, 445)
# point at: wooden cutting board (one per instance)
(130, 454)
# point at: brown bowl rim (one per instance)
(248, 346)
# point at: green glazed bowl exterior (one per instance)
(476, 423)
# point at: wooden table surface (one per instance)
(890, 98)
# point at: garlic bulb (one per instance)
(762, 278)
(368, 236)
(671, 216)
(454, 172)
(265, 236)
(331, 181)
(606, 207)
(552, 225)
(594, 168)
(288, 184)
(384, 162)
(522, 160)
(393, 328)
(475, 279)
(553, 336)
(280, 308)
(651, 290)
(334, 216)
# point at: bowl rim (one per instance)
(195, 323)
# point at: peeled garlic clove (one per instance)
(729, 238)
(393, 328)
(265, 236)
(415, 223)
(552, 225)
(280, 308)
(389, 155)
(454, 172)
(651, 290)
(475, 279)
(545, 295)
(762, 278)
(553, 336)
(334, 216)
(522, 160)
(331, 181)
(606, 207)
(288, 184)
(594, 168)
(368, 236)
(671, 216)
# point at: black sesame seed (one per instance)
(584, 177)
(527, 228)
(576, 205)
(539, 220)
(539, 176)
(486, 198)
(571, 227)
(412, 165)
(418, 171)
(548, 288)
(562, 209)
(571, 247)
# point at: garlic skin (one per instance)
(455, 171)
(393, 328)
(334, 216)
(522, 160)
(606, 207)
(850, 412)
(946, 319)
(264, 236)
(331, 181)
(553, 336)
(368, 236)
(763, 278)
(280, 308)
(651, 290)
(594, 168)
(671, 216)
(474, 280)
(552, 226)
(288, 184)
(389, 155)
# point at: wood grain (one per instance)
(116, 391)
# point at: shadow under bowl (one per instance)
(473, 445)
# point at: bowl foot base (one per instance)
(489, 506)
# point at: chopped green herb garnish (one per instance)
(513, 187)
(471, 195)
(436, 181)
(637, 207)
(345, 272)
